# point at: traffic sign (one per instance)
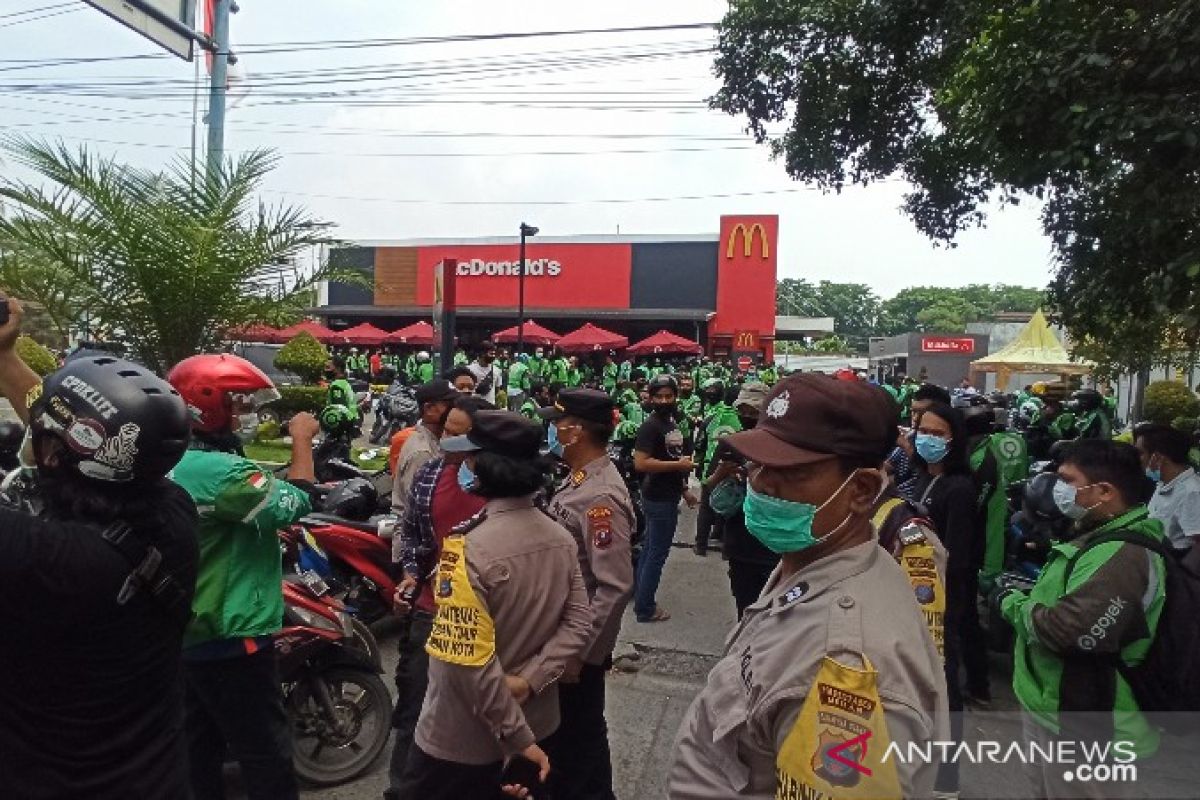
(168, 23)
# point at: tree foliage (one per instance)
(1092, 107)
(1168, 400)
(859, 314)
(304, 356)
(165, 262)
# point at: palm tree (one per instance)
(167, 262)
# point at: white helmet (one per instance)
(423, 356)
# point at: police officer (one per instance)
(510, 599)
(594, 505)
(836, 647)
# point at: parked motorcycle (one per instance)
(339, 708)
(395, 409)
(360, 570)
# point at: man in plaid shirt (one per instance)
(435, 505)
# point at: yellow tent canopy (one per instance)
(1036, 349)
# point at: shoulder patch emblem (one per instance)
(578, 477)
(600, 526)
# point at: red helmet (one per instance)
(211, 384)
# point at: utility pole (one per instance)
(526, 231)
(218, 86)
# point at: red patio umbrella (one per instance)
(534, 334)
(257, 332)
(665, 342)
(591, 337)
(366, 335)
(419, 333)
(317, 330)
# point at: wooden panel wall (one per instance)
(395, 276)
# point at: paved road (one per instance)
(648, 698)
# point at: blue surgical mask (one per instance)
(466, 477)
(556, 447)
(931, 448)
(1154, 474)
(785, 526)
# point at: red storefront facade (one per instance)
(715, 289)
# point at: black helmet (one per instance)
(353, 499)
(1085, 400)
(118, 421)
(663, 382)
(1039, 509)
(979, 420)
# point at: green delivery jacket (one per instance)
(997, 462)
(242, 508)
(720, 420)
(1065, 630)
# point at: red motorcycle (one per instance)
(356, 562)
(340, 710)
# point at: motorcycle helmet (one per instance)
(218, 388)
(712, 390)
(663, 382)
(115, 421)
(354, 499)
(1039, 509)
(422, 356)
(1084, 400)
(336, 420)
(979, 420)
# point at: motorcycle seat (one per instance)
(365, 527)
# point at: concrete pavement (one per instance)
(662, 666)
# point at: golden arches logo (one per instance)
(745, 340)
(749, 235)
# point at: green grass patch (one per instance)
(277, 452)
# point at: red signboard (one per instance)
(956, 345)
(556, 275)
(746, 271)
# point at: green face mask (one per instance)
(785, 526)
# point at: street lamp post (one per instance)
(526, 231)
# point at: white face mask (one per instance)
(1064, 497)
(247, 427)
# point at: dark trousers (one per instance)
(709, 524)
(661, 519)
(235, 708)
(412, 679)
(429, 778)
(964, 648)
(580, 762)
(746, 581)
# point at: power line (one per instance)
(26, 20)
(468, 154)
(274, 48)
(572, 202)
(37, 10)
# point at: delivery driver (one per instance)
(834, 660)
(593, 505)
(512, 610)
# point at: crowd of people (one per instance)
(862, 523)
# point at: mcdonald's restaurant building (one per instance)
(717, 289)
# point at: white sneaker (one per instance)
(937, 795)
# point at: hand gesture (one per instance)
(304, 427)
(400, 606)
(11, 329)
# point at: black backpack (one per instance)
(1166, 684)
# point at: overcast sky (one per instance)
(363, 139)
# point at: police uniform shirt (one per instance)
(523, 582)
(731, 735)
(593, 505)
